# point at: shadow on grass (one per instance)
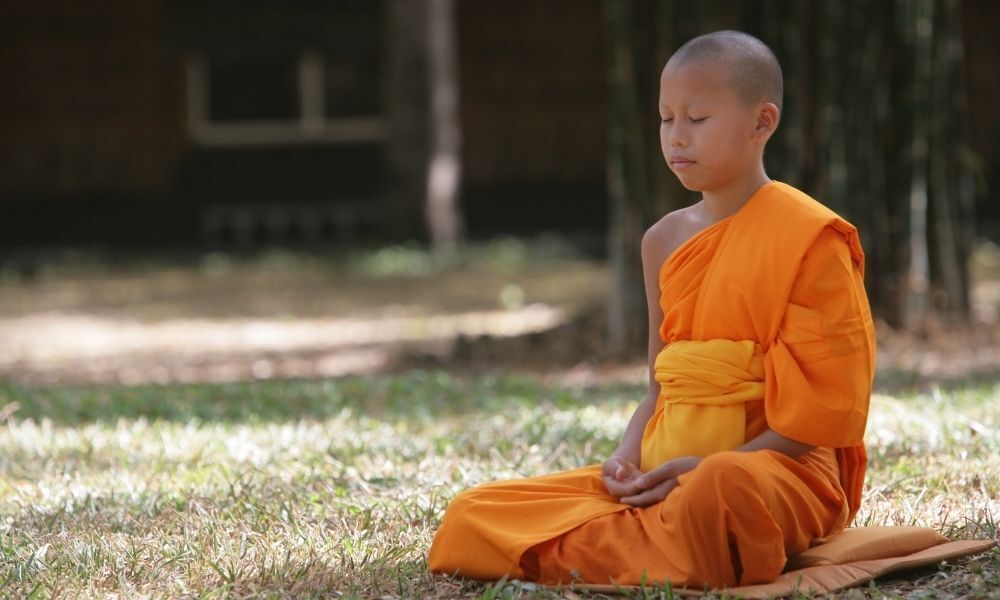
(416, 394)
(412, 395)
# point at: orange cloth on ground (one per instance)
(785, 274)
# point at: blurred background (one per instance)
(222, 190)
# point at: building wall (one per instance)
(89, 105)
(982, 51)
(534, 114)
(533, 96)
(93, 128)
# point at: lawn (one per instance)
(208, 429)
(334, 487)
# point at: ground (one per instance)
(289, 425)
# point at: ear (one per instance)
(767, 121)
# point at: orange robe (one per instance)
(783, 280)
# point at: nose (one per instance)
(676, 133)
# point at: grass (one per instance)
(408, 259)
(335, 487)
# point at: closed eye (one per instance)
(668, 120)
(694, 120)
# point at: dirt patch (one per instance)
(311, 319)
(188, 325)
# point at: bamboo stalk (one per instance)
(627, 181)
(917, 14)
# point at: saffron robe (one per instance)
(784, 273)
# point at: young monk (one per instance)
(748, 446)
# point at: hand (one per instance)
(620, 476)
(659, 482)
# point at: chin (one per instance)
(690, 186)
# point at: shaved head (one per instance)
(754, 70)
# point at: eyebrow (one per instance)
(685, 106)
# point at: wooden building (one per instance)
(245, 121)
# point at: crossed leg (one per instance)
(732, 521)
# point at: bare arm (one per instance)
(630, 446)
(657, 484)
(653, 254)
(621, 470)
(772, 440)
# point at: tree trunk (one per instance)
(444, 217)
(423, 153)
(917, 16)
(945, 165)
(406, 101)
(628, 188)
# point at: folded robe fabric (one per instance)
(701, 409)
(853, 557)
(783, 277)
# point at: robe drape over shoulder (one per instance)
(766, 325)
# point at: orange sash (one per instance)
(704, 388)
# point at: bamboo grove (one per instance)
(874, 126)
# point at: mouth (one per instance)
(680, 163)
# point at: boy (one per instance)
(748, 446)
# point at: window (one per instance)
(248, 100)
(244, 90)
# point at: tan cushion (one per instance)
(867, 543)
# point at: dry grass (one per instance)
(334, 488)
(323, 487)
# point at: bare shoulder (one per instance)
(667, 234)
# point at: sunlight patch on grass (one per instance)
(308, 487)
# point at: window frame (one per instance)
(313, 125)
